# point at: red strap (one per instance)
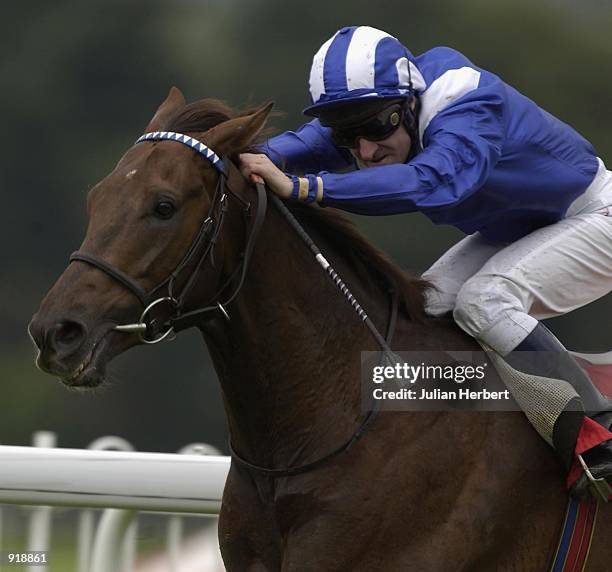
(590, 435)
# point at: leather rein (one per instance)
(151, 331)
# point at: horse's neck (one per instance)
(288, 360)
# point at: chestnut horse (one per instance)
(428, 491)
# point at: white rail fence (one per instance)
(120, 481)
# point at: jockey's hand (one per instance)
(259, 164)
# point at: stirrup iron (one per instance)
(599, 488)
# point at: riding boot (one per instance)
(542, 354)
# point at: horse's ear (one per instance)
(238, 133)
(169, 107)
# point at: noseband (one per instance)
(147, 328)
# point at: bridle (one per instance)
(205, 241)
(148, 329)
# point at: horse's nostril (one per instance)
(66, 335)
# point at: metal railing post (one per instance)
(86, 527)
(128, 546)
(39, 530)
(85, 534)
(110, 534)
(174, 533)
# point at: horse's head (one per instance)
(151, 223)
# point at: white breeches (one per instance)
(498, 292)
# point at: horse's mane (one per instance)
(201, 116)
(366, 260)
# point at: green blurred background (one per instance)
(80, 82)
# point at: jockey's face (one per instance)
(374, 132)
(393, 149)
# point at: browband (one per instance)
(196, 145)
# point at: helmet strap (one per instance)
(411, 123)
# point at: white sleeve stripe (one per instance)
(362, 47)
(445, 90)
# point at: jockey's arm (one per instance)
(306, 150)
(462, 144)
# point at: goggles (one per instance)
(374, 128)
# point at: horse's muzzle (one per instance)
(66, 351)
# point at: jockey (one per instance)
(394, 133)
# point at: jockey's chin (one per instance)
(389, 159)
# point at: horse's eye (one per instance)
(164, 209)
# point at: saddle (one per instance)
(599, 368)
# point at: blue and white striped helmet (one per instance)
(360, 62)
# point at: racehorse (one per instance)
(426, 491)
